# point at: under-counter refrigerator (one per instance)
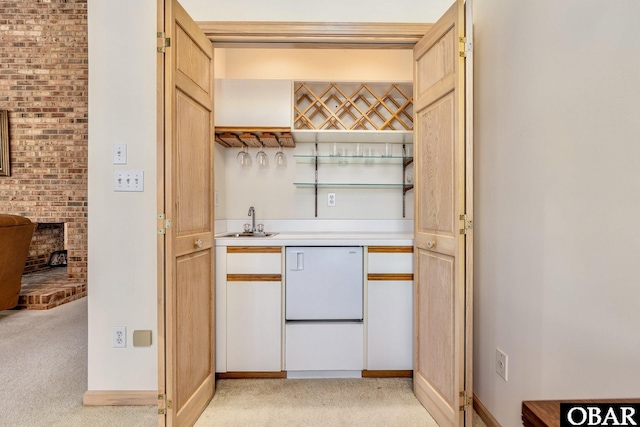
(324, 283)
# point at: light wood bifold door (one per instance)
(187, 377)
(440, 376)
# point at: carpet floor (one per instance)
(43, 376)
(317, 402)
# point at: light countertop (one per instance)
(321, 239)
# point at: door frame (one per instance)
(315, 35)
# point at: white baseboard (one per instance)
(120, 398)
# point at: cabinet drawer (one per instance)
(312, 346)
(390, 263)
(254, 263)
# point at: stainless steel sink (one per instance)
(247, 234)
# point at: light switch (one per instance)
(128, 181)
(119, 154)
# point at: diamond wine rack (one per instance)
(353, 107)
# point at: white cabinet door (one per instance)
(254, 328)
(253, 103)
(390, 325)
(390, 309)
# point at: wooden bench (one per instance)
(546, 413)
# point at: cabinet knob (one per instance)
(431, 244)
(198, 243)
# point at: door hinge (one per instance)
(166, 223)
(467, 401)
(467, 46)
(168, 404)
(161, 402)
(468, 224)
(165, 42)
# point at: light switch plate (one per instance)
(128, 181)
(119, 154)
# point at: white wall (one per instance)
(274, 196)
(313, 11)
(122, 278)
(557, 190)
(317, 64)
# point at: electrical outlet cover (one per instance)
(119, 337)
(502, 361)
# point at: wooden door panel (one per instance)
(192, 155)
(437, 157)
(437, 63)
(436, 350)
(194, 357)
(439, 267)
(192, 61)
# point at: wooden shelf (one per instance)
(254, 136)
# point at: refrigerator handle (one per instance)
(299, 260)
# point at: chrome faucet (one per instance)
(252, 214)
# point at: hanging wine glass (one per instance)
(261, 158)
(280, 158)
(243, 157)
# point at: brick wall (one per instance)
(43, 85)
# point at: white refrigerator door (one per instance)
(324, 283)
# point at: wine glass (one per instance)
(261, 158)
(244, 159)
(280, 158)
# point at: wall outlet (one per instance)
(119, 154)
(120, 337)
(331, 200)
(128, 181)
(502, 363)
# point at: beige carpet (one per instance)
(306, 403)
(43, 372)
(43, 375)
(335, 402)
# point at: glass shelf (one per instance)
(317, 159)
(326, 159)
(349, 185)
